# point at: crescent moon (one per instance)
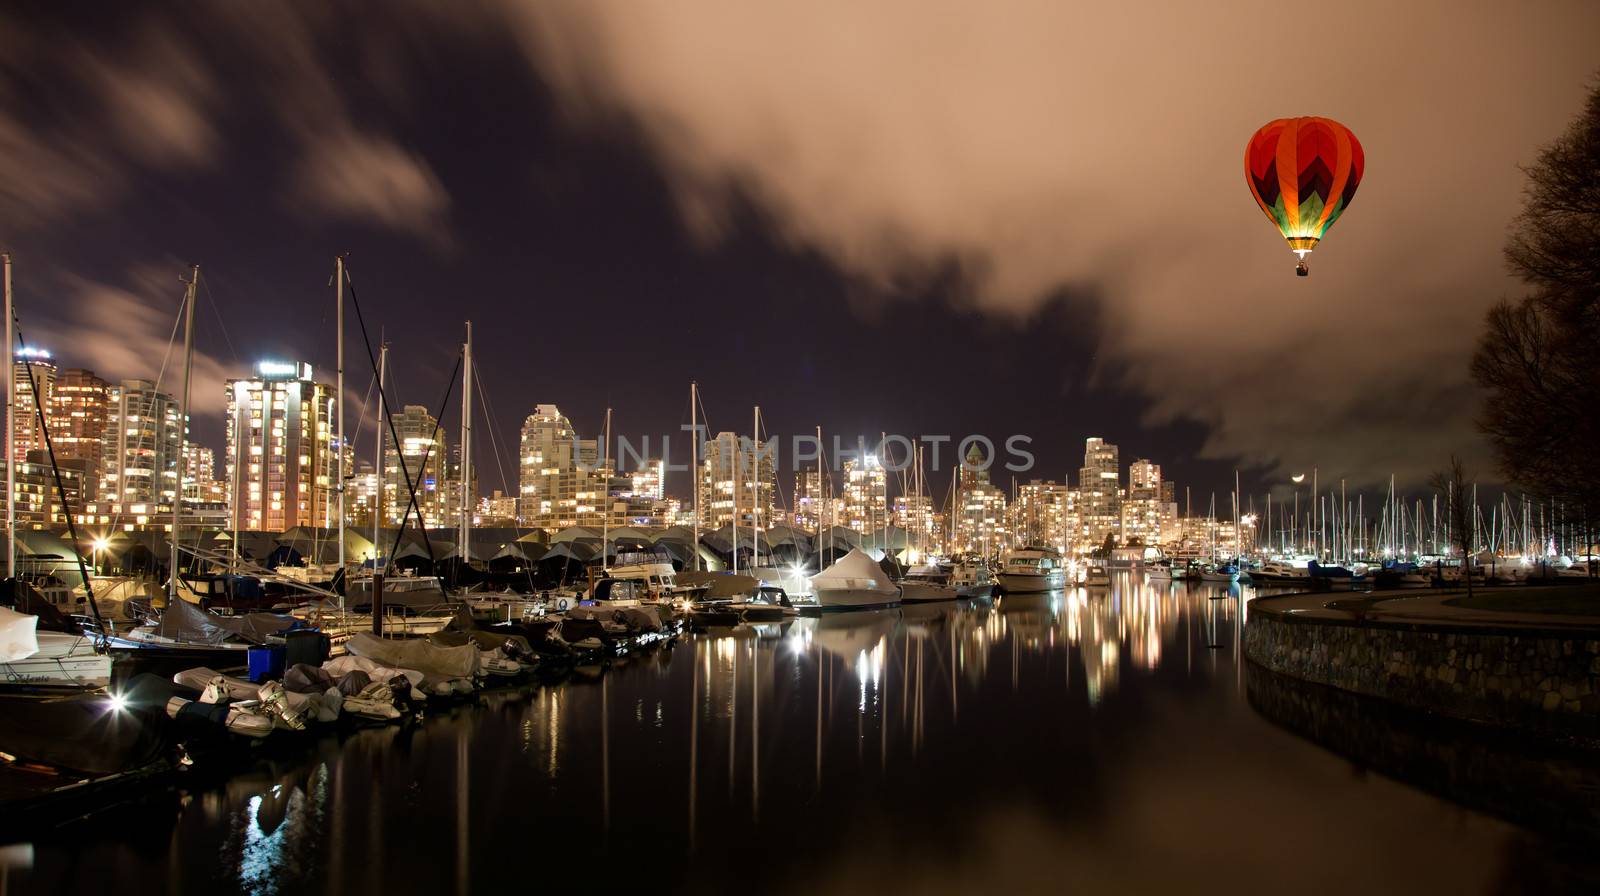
(1298, 478)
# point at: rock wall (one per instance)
(1547, 681)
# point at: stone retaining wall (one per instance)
(1541, 680)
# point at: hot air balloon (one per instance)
(1303, 173)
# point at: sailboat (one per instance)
(39, 646)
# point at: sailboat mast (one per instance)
(463, 545)
(821, 498)
(605, 496)
(755, 488)
(183, 423)
(338, 392)
(694, 471)
(11, 435)
(378, 508)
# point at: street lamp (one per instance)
(100, 544)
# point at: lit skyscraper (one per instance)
(1099, 501)
(280, 461)
(422, 448)
(27, 433)
(140, 446)
(79, 406)
(729, 458)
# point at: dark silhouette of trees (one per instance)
(1538, 359)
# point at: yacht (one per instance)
(1031, 570)
(972, 579)
(1160, 570)
(855, 582)
(1220, 572)
(1282, 572)
(928, 583)
(1096, 575)
(653, 576)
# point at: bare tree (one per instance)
(1537, 358)
(1452, 483)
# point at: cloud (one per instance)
(349, 168)
(1046, 145)
(361, 176)
(131, 332)
(158, 102)
(81, 119)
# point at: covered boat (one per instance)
(856, 582)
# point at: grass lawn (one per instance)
(1565, 600)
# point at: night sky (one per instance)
(919, 217)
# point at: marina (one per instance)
(866, 449)
(821, 734)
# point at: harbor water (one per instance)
(1098, 739)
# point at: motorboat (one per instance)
(972, 579)
(1159, 570)
(929, 583)
(1096, 575)
(1219, 572)
(855, 582)
(1281, 572)
(1333, 576)
(653, 576)
(1031, 570)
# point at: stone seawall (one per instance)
(1527, 678)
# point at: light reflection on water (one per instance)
(1104, 729)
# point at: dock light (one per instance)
(118, 703)
(101, 543)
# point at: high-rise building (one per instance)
(1141, 512)
(417, 463)
(865, 503)
(980, 524)
(1045, 513)
(26, 430)
(812, 489)
(731, 460)
(649, 481)
(140, 446)
(38, 502)
(362, 496)
(281, 457)
(200, 483)
(498, 510)
(561, 483)
(79, 405)
(1099, 492)
(914, 513)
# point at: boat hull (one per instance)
(79, 671)
(1024, 583)
(926, 593)
(833, 599)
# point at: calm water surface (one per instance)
(1093, 741)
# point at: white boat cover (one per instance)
(436, 663)
(19, 638)
(855, 571)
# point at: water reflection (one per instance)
(847, 752)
